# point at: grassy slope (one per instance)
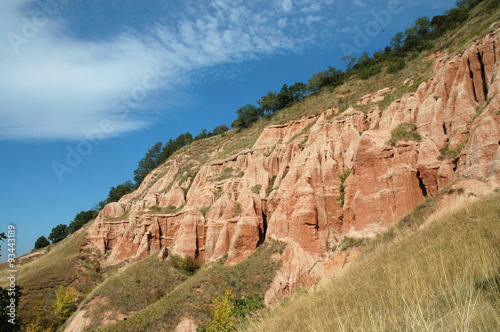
(132, 290)
(194, 296)
(62, 265)
(445, 277)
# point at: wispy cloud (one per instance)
(359, 3)
(54, 86)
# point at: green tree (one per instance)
(58, 233)
(219, 130)
(41, 242)
(268, 103)
(150, 161)
(416, 35)
(83, 217)
(115, 193)
(397, 41)
(298, 90)
(173, 145)
(331, 77)
(247, 115)
(204, 134)
(284, 98)
(315, 82)
(421, 27)
(350, 61)
(65, 303)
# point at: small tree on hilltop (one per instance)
(150, 161)
(41, 242)
(58, 233)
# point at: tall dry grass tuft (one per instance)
(445, 277)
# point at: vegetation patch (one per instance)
(204, 210)
(406, 132)
(167, 210)
(186, 264)
(446, 153)
(225, 174)
(303, 143)
(237, 210)
(256, 189)
(345, 174)
(351, 242)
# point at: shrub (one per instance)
(39, 318)
(187, 264)
(369, 71)
(246, 305)
(65, 302)
(406, 132)
(223, 317)
(396, 66)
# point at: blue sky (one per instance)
(88, 86)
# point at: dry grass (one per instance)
(446, 277)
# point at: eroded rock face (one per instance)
(286, 186)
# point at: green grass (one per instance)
(446, 277)
(194, 296)
(204, 210)
(405, 132)
(446, 153)
(345, 174)
(225, 174)
(237, 211)
(256, 189)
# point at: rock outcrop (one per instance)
(286, 186)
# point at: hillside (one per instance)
(296, 198)
(443, 278)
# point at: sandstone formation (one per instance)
(286, 186)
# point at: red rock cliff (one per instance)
(286, 186)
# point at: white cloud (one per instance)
(54, 86)
(287, 5)
(313, 19)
